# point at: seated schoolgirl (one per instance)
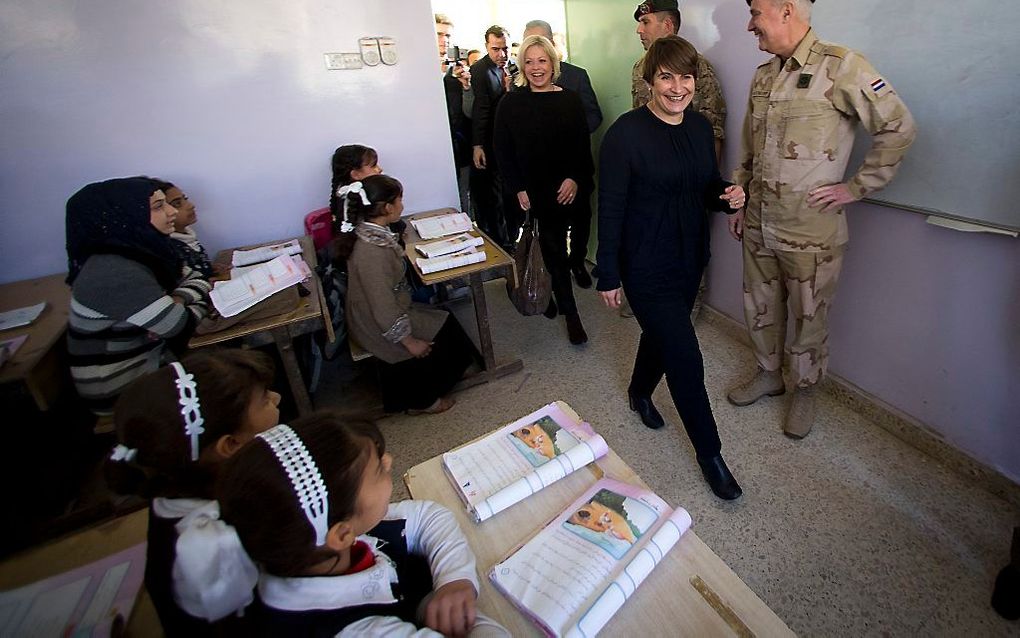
(353, 163)
(424, 351)
(310, 501)
(191, 252)
(131, 295)
(175, 428)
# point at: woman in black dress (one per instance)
(658, 175)
(541, 141)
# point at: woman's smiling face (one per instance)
(538, 68)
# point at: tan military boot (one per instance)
(801, 416)
(764, 383)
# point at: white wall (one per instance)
(471, 18)
(231, 101)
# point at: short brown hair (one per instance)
(672, 53)
(441, 18)
(673, 15)
(494, 30)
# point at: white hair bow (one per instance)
(213, 576)
(342, 192)
(123, 453)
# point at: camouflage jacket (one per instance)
(798, 134)
(708, 99)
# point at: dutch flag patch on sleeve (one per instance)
(878, 85)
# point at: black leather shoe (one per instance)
(719, 478)
(646, 410)
(1006, 595)
(581, 276)
(575, 329)
(550, 311)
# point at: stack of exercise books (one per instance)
(250, 285)
(461, 249)
(436, 226)
(576, 572)
(265, 253)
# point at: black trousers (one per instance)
(553, 221)
(669, 347)
(487, 198)
(580, 228)
(415, 384)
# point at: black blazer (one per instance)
(576, 79)
(460, 126)
(488, 92)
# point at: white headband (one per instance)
(354, 187)
(304, 476)
(191, 411)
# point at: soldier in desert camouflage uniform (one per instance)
(797, 138)
(658, 18)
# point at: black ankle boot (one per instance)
(550, 310)
(581, 276)
(646, 410)
(719, 478)
(1006, 595)
(575, 330)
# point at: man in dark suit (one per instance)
(457, 86)
(489, 82)
(575, 79)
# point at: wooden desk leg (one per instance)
(285, 345)
(482, 317)
(48, 379)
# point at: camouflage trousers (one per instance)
(808, 282)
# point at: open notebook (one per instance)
(258, 283)
(519, 459)
(577, 571)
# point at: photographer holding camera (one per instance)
(459, 101)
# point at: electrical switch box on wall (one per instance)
(342, 61)
(388, 50)
(369, 50)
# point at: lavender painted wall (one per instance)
(926, 319)
(231, 101)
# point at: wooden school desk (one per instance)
(692, 592)
(82, 548)
(309, 316)
(38, 362)
(496, 261)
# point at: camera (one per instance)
(454, 56)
